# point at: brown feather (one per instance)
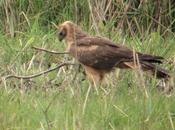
(99, 55)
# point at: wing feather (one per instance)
(100, 53)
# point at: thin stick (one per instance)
(53, 52)
(39, 74)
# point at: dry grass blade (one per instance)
(120, 110)
(171, 121)
(93, 18)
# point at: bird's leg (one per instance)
(103, 85)
(94, 77)
(95, 85)
(88, 91)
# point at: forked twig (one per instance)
(40, 73)
(53, 52)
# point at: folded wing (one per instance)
(102, 53)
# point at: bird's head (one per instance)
(65, 30)
(69, 31)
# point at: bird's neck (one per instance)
(75, 34)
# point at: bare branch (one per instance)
(40, 73)
(53, 52)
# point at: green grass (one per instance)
(55, 100)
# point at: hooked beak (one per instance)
(61, 34)
(60, 37)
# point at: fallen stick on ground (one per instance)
(53, 52)
(40, 73)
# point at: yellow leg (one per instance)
(93, 76)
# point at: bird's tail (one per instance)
(151, 68)
(155, 70)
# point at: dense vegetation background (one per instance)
(127, 100)
(133, 16)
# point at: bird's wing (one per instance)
(100, 53)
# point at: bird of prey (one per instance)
(100, 55)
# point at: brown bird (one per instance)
(99, 55)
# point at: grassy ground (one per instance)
(56, 100)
